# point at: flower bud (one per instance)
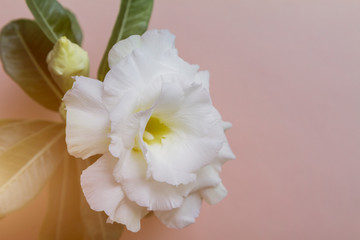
(66, 60)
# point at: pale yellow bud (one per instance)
(66, 60)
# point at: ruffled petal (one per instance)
(130, 214)
(225, 154)
(159, 45)
(101, 191)
(206, 177)
(87, 122)
(153, 195)
(124, 125)
(215, 194)
(183, 216)
(135, 122)
(226, 125)
(158, 41)
(196, 135)
(196, 115)
(124, 78)
(168, 101)
(123, 49)
(145, 191)
(202, 78)
(154, 60)
(177, 161)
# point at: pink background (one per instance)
(287, 75)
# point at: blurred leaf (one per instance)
(133, 19)
(69, 215)
(7, 121)
(23, 51)
(95, 222)
(63, 220)
(75, 27)
(31, 151)
(53, 19)
(15, 130)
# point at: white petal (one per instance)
(195, 114)
(176, 161)
(138, 74)
(147, 192)
(215, 194)
(135, 124)
(153, 195)
(181, 155)
(158, 41)
(123, 49)
(183, 216)
(206, 177)
(87, 122)
(197, 135)
(202, 78)
(101, 191)
(133, 166)
(168, 101)
(155, 59)
(124, 125)
(159, 46)
(226, 125)
(225, 153)
(130, 214)
(123, 78)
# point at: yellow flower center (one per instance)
(155, 131)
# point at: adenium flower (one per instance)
(161, 139)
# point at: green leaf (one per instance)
(53, 19)
(63, 220)
(31, 151)
(75, 27)
(94, 222)
(133, 19)
(23, 51)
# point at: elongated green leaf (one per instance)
(63, 220)
(23, 51)
(29, 159)
(53, 19)
(133, 19)
(75, 27)
(94, 222)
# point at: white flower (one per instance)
(162, 141)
